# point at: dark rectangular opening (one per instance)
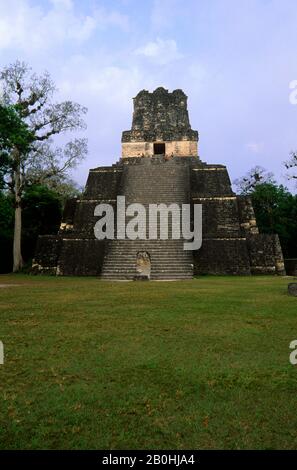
(159, 149)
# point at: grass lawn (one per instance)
(201, 364)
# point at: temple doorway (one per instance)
(159, 149)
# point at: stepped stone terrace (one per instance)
(160, 164)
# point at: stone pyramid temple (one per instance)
(160, 164)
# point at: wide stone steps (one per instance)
(161, 266)
(126, 274)
(173, 256)
(159, 277)
(148, 183)
(170, 260)
(168, 270)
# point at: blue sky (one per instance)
(234, 59)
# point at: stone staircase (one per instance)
(152, 181)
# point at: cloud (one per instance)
(107, 85)
(36, 28)
(234, 64)
(161, 51)
(114, 18)
(164, 14)
(255, 147)
(62, 3)
(107, 92)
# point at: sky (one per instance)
(234, 59)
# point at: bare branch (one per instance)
(55, 162)
(31, 95)
(254, 177)
(291, 165)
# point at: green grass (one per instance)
(198, 364)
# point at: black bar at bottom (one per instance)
(137, 458)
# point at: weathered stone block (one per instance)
(292, 289)
(46, 255)
(219, 256)
(265, 254)
(82, 257)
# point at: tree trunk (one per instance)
(17, 252)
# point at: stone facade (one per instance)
(147, 149)
(231, 240)
(160, 118)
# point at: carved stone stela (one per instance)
(143, 264)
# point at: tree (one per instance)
(6, 232)
(41, 214)
(42, 210)
(52, 169)
(65, 188)
(13, 131)
(291, 165)
(32, 98)
(276, 212)
(257, 175)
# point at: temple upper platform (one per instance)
(160, 126)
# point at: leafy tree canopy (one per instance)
(276, 212)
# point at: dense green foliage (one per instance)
(41, 215)
(6, 232)
(276, 212)
(13, 132)
(199, 364)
